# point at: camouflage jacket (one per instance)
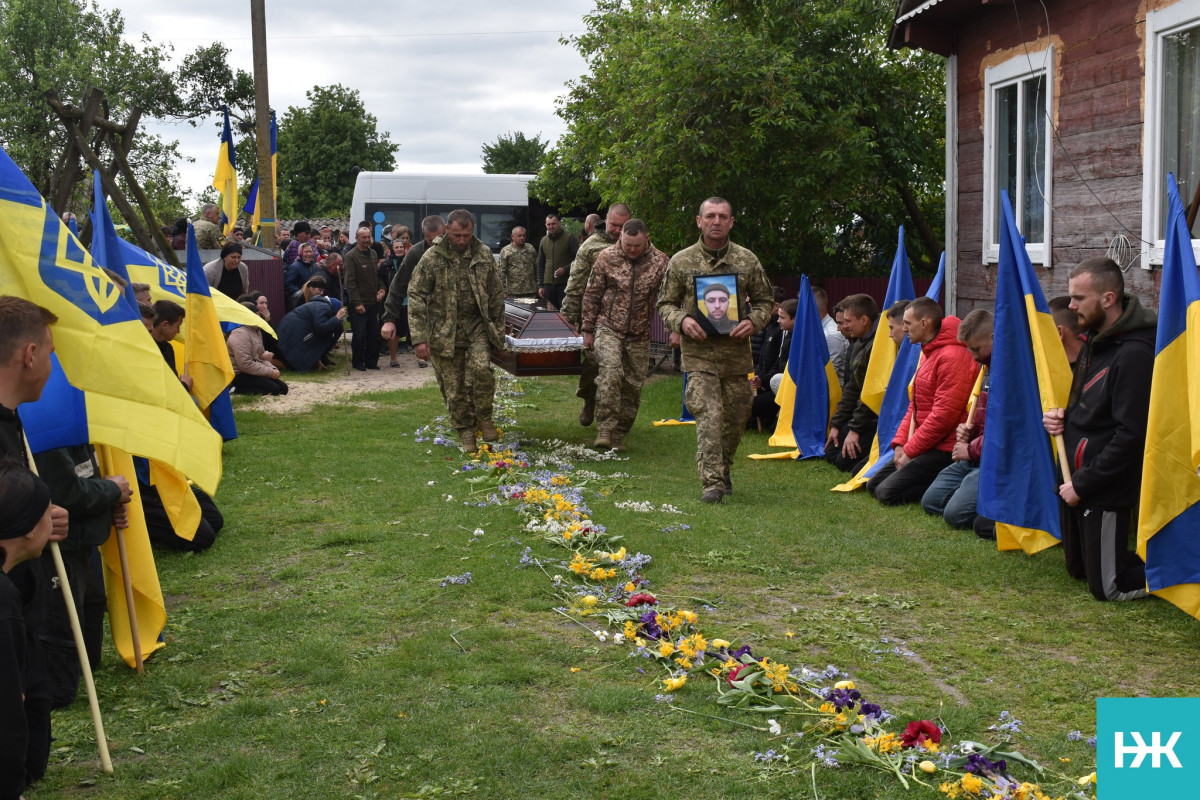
(620, 294)
(720, 355)
(581, 270)
(208, 235)
(518, 269)
(433, 311)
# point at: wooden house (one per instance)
(1079, 108)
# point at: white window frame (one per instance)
(1159, 24)
(1016, 69)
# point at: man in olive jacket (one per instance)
(456, 318)
(853, 425)
(718, 390)
(556, 251)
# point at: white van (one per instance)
(499, 202)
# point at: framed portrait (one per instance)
(717, 303)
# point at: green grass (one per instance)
(312, 653)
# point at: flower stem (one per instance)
(722, 719)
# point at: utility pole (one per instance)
(262, 124)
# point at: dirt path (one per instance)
(303, 395)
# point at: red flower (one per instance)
(639, 598)
(917, 731)
(733, 675)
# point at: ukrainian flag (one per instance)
(106, 248)
(903, 367)
(110, 385)
(1169, 516)
(251, 208)
(170, 283)
(225, 177)
(206, 359)
(1029, 375)
(883, 351)
(804, 417)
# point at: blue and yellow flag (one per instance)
(252, 208)
(206, 359)
(897, 395)
(111, 384)
(883, 350)
(148, 605)
(170, 283)
(1169, 516)
(225, 176)
(106, 247)
(804, 415)
(1018, 481)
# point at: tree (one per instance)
(823, 140)
(512, 152)
(323, 146)
(71, 46)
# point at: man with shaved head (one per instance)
(518, 266)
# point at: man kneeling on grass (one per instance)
(941, 387)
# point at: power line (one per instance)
(379, 35)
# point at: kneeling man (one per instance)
(618, 306)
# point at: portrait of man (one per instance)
(717, 301)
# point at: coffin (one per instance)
(537, 341)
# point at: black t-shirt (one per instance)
(230, 284)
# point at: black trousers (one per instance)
(158, 524)
(555, 294)
(58, 642)
(364, 327)
(834, 454)
(894, 487)
(258, 384)
(1096, 546)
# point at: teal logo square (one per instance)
(1147, 747)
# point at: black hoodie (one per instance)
(1105, 427)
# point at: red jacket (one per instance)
(940, 392)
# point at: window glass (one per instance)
(1034, 135)
(1181, 118)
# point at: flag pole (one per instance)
(133, 623)
(84, 663)
(1063, 463)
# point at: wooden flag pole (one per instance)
(125, 578)
(81, 648)
(1063, 463)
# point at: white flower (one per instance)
(618, 638)
(479, 531)
(602, 636)
(449, 497)
(774, 727)
(558, 579)
(430, 483)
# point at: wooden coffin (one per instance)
(538, 341)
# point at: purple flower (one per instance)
(870, 710)
(843, 698)
(979, 765)
(744, 650)
(650, 624)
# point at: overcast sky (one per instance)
(442, 78)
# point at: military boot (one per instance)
(468, 440)
(587, 413)
(603, 441)
(488, 429)
(618, 442)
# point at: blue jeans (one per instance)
(953, 494)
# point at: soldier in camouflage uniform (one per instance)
(581, 270)
(718, 389)
(456, 317)
(518, 266)
(617, 310)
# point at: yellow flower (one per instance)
(639, 641)
(671, 684)
(789, 634)
(630, 630)
(847, 685)
(690, 617)
(684, 662)
(665, 649)
(972, 784)
(619, 555)
(1065, 760)
(567, 535)
(574, 669)
(590, 600)
(630, 587)
(1086, 779)
(928, 767)
(827, 708)
(930, 746)
(884, 743)
(717, 644)
(951, 790)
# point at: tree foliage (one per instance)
(824, 140)
(327, 142)
(513, 152)
(72, 46)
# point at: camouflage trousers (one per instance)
(622, 366)
(467, 383)
(589, 371)
(721, 407)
